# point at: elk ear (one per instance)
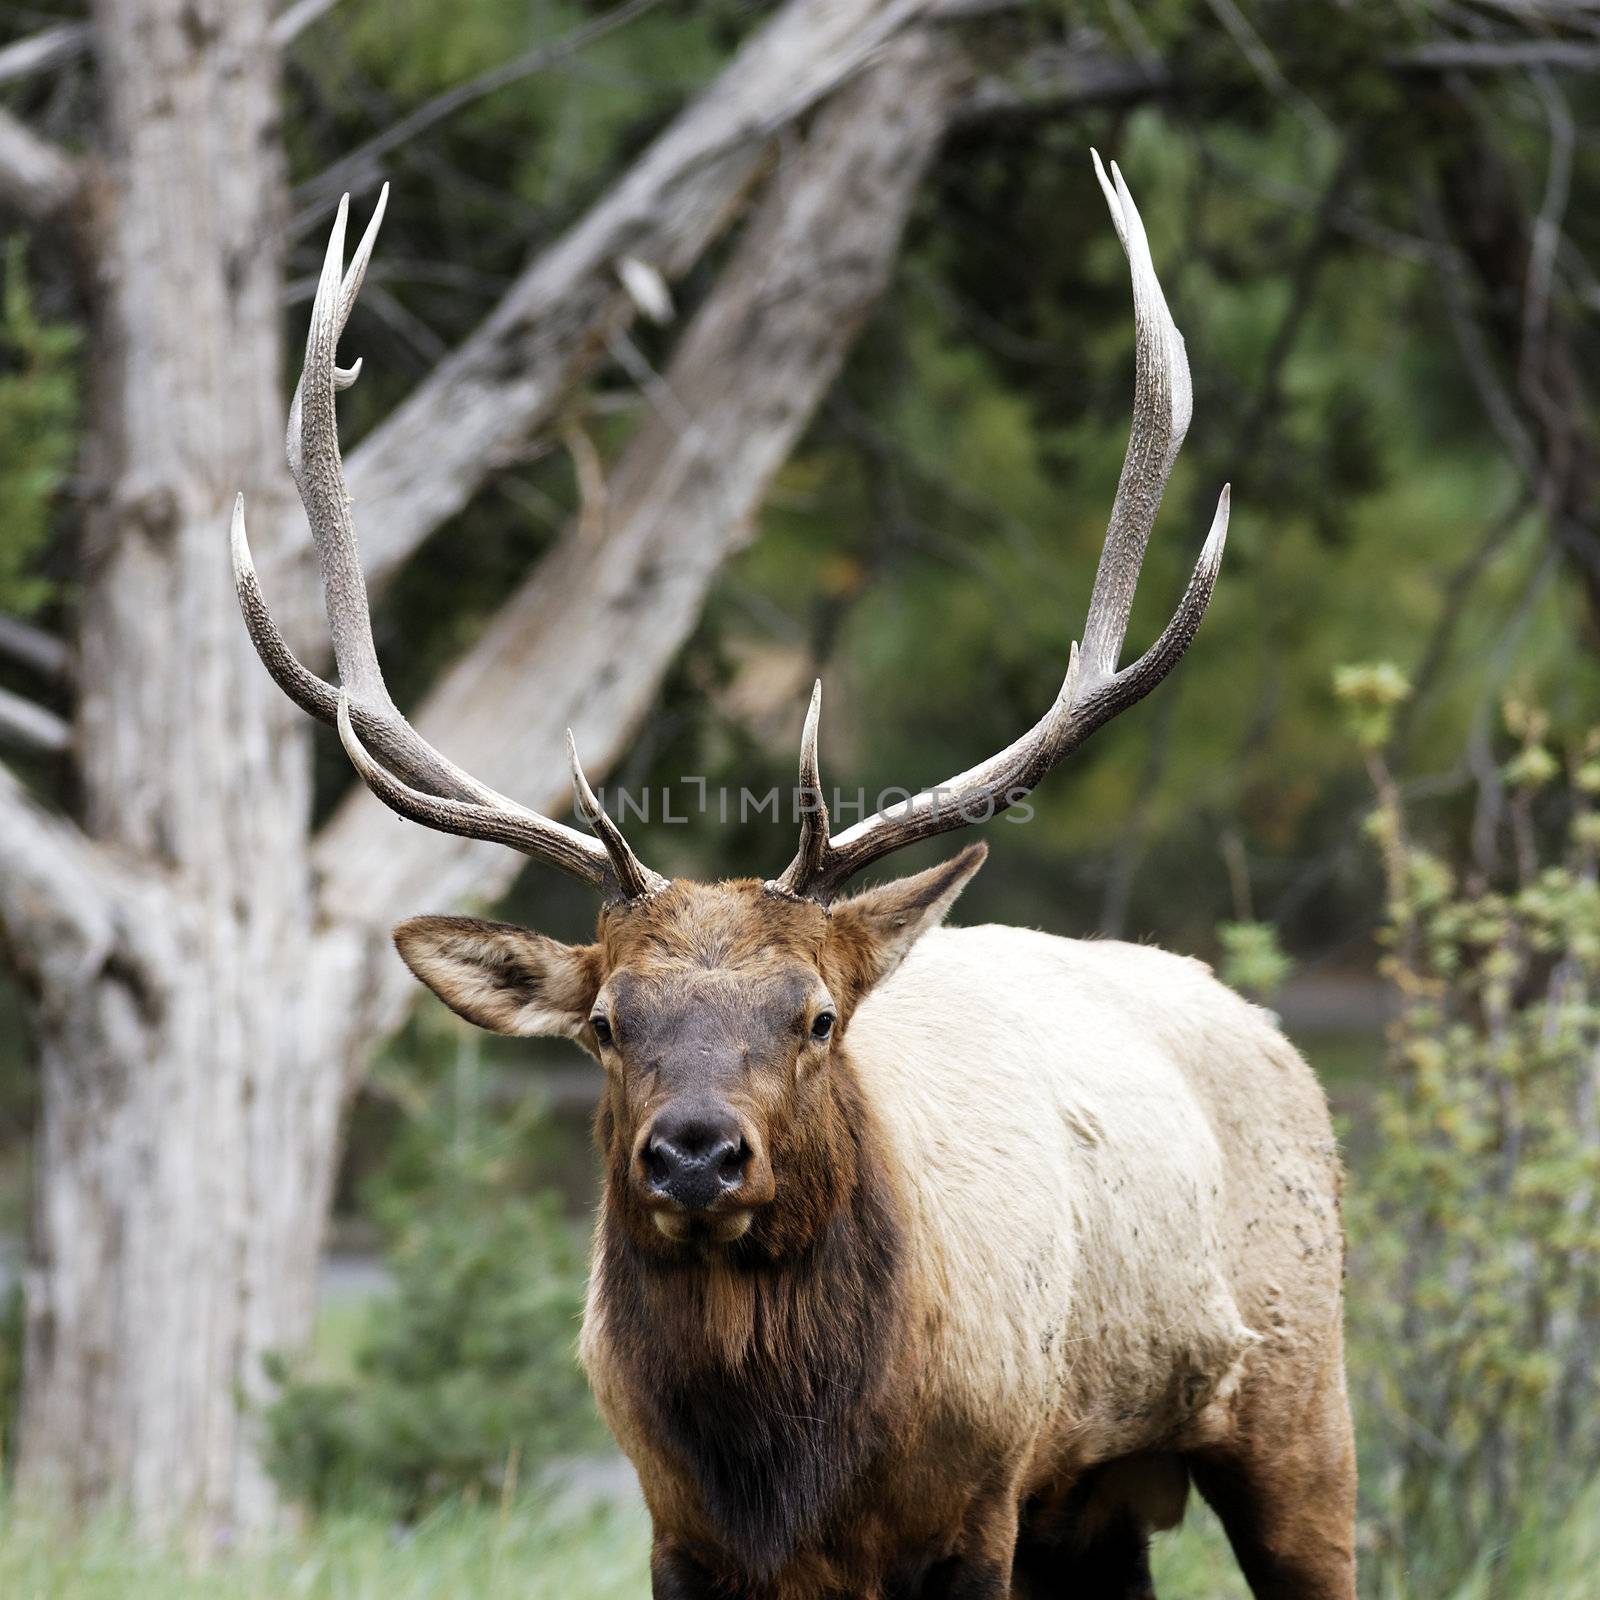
(869, 934)
(504, 978)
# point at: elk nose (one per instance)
(695, 1154)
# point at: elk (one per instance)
(930, 1262)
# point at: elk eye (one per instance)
(602, 1029)
(823, 1026)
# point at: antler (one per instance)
(396, 762)
(1094, 691)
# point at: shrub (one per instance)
(1476, 1275)
(38, 440)
(467, 1375)
(1253, 961)
(10, 1373)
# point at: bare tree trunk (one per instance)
(176, 1233)
(200, 1011)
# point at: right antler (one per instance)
(397, 763)
(1094, 690)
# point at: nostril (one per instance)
(731, 1157)
(660, 1160)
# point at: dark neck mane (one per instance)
(763, 1378)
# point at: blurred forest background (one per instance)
(803, 325)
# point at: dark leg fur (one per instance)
(963, 1578)
(1115, 1566)
(676, 1575)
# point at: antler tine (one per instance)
(356, 274)
(1163, 402)
(813, 851)
(504, 823)
(394, 760)
(382, 727)
(1094, 690)
(318, 469)
(635, 879)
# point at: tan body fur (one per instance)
(1120, 1199)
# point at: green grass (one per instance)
(465, 1553)
(342, 1326)
(1547, 1559)
(541, 1552)
(1193, 1562)
(522, 1553)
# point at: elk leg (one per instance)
(981, 1568)
(1285, 1490)
(677, 1575)
(967, 1578)
(1113, 1565)
(1091, 1540)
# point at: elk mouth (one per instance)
(683, 1227)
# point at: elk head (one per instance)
(720, 1012)
(721, 1015)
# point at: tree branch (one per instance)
(1499, 55)
(40, 52)
(1481, 216)
(55, 47)
(36, 178)
(1265, 66)
(27, 726)
(57, 903)
(1056, 78)
(1453, 594)
(479, 411)
(1544, 238)
(294, 19)
(585, 640)
(35, 650)
(362, 167)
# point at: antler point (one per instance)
(239, 544)
(588, 802)
(1211, 555)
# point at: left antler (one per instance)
(396, 762)
(1094, 691)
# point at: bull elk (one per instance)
(931, 1261)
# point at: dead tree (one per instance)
(207, 976)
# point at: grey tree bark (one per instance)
(174, 1236)
(208, 979)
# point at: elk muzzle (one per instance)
(695, 1154)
